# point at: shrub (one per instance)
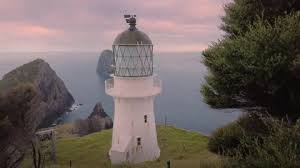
(281, 148)
(94, 124)
(227, 139)
(81, 127)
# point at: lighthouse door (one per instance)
(127, 155)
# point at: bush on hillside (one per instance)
(227, 139)
(81, 127)
(281, 148)
(87, 126)
(274, 143)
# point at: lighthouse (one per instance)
(133, 88)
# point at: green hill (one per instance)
(184, 149)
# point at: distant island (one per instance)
(105, 63)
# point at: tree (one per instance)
(257, 63)
(242, 13)
(16, 125)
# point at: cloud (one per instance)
(28, 30)
(92, 25)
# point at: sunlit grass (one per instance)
(182, 148)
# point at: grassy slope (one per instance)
(183, 148)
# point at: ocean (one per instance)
(180, 103)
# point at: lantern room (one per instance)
(133, 52)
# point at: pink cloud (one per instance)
(191, 47)
(25, 29)
(38, 30)
(93, 24)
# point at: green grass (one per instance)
(184, 149)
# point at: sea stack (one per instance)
(133, 87)
(105, 65)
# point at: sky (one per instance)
(92, 25)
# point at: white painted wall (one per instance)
(134, 98)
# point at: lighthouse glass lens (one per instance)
(133, 60)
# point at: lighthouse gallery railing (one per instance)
(109, 83)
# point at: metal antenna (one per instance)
(131, 20)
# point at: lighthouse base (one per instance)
(134, 137)
(132, 154)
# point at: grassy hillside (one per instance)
(184, 149)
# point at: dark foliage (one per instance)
(280, 148)
(227, 139)
(242, 13)
(254, 141)
(256, 66)
(81, 127)
(15, 128)
(97, 121)
(258, 63)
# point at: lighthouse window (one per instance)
(145, 118)
(139, 141)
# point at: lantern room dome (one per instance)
(132, 37)
(133, 52)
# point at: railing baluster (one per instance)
(156, 82)
(109, 83)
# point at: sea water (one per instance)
(180, 103)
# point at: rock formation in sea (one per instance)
(105, 63)
(97, 121)
(51, 99)
(56, 99)
(99, 115)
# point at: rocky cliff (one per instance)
(99, 115)
(105, 63)
(55, 97)
(32, 95)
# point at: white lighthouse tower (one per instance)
(133, 88)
